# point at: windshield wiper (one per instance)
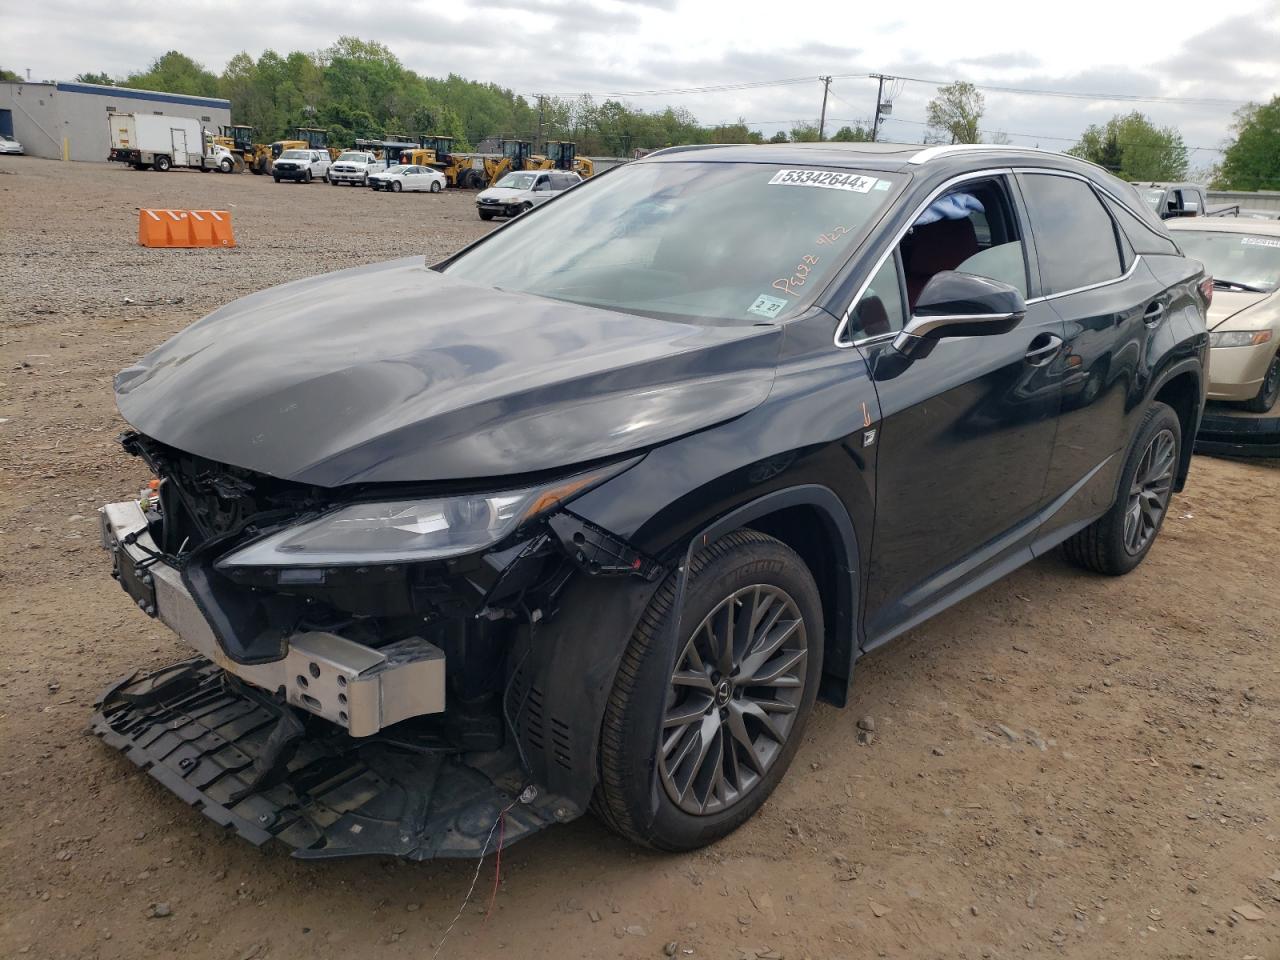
(1237, 285)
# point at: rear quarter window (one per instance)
(1076, 242)
(1144, 237)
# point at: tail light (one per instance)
(1206, 291)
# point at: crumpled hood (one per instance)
(398, 373)
(1227, 303)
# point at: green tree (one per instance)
(956, 112)
(175, 73)
(8, 76)
(1252, 161)
(100, 78)
(804, 133)
(779, 137)
(1133, 148)
(854, 134)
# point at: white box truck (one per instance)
(161, 142)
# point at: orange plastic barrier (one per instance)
(185, 228)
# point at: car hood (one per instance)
(1227, 303)
(502, 193)
(398, 373)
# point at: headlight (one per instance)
(402, 531)
(1239, 338)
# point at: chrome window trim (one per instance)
(843, 325)
(1137, 258)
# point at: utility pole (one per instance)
(822, 120)
(875, 125)
(541, 100)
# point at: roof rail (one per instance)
(932, 153)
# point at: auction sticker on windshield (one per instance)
(767, 306)
(827, 179)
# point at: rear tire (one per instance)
(435, 186)
(1269, 392)
(1118, 541)
(162, 164)
(728, 742)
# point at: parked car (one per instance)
(589, 514)
(354, 166)
(304, 165)
(9, 145)
(1173, 200)
(1243, 257)
(523, 190)
(408, 176)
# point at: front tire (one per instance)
(275, 178)
(695, 739)
(486, 215)
(1269, 392)
(1118, 541)
(396, 186)
(227, 165)
(308, 178)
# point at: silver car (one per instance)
(9, 145)
(523, 190)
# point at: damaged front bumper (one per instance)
(252, 764)
(357, 687)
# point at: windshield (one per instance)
(517, 181)
(1153, 198)
(729, 241)
(295, 155)
(354, 157)
(1235, 258)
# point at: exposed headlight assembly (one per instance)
(403, 531)
(1239, 338)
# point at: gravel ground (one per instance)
(1061, 765)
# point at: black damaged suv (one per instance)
(589, 514)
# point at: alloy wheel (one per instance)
(1150, 491)
(732, 702)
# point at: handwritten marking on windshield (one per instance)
(789, 285)
(834, 235)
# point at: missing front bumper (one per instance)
(249, 763)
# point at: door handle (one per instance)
(1043, 349)
(1153, 314)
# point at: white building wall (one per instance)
(49, 116)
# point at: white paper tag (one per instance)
(1260, 241)
(827, 179)
(767, 306)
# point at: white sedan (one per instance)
(407, 176)
(9, 145)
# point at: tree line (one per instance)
(359, 88)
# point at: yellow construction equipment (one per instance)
(307, 138)
(436, 151)
(238, 138)
(563, 155)
(516, 155)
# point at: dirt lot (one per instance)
(1062, 765)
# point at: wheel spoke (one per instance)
(777, 670)
(767, 648)
(685, 713)
(694, 757)
(738, 728)
(749, 709)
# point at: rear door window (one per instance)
(1076, 242)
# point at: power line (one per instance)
(1045, 136)
(1064, 94)
(679, 91)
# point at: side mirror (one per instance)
(959, 305)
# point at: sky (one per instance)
(1195, 63)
